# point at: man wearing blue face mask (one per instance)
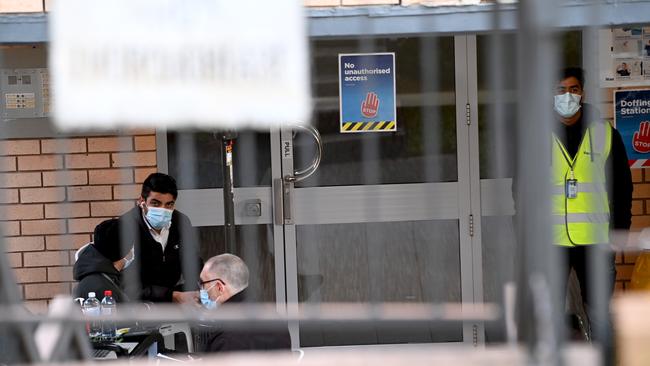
(161, 237)
(592, 184)
(223, 281)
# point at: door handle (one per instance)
(302, 174)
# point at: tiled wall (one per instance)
(54, 192)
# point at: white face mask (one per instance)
(567, 104)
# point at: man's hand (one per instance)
(641, 139)
(187, 297)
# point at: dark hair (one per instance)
(106, 240)
(576, 72)
(159, 182)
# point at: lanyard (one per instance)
(566, 157)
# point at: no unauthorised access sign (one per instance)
(367, 92)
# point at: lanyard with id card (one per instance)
(571, 188)
(571, 184)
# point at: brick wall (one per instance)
(54, 192)
(640, 205)
(33, 6)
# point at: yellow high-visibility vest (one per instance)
(582, 220)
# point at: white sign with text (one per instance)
(179, 63)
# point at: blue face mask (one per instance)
(159, 217)
(207, 302)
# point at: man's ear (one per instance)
(221, 286)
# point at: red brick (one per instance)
(40, 227)
(21, 6)
(630, 257)
(63, 146)
(640, 222)
(106, 144)
(59, 242)
(142, 173)
(24, 243)
(19, 147)
(65, 210)
(115, 208)
(72, 255)
(30, 275)
(20, 180)
(40, 162)
(65, 178)
(637, 175)
(8, 163)
(86, 225)
(619, 258)
(91, 193)
(641, 191)
(15, 259)
(141, 131)
(38, 307)
(147, 158)
(619, 286)
(52, 194)
(110, 176)
(624, 271)
(59, 274)
(8, 196)
(637, 207)
(46, 290)
(21, 212)
(45, 259)
(83, 161)
(10, 228)
(125, 192)
(145, 143)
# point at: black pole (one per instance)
(227, 144)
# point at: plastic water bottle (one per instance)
(91, 308)
(108, 311)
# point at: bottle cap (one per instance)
(91, 294)
(108, 293)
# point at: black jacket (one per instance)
(218, 339)
(96, 273)
(159, 272)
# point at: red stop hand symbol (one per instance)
(370, 105)
(641, 139)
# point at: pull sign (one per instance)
(287, 149)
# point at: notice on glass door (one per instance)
(367, 92)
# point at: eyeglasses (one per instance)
(203, 283)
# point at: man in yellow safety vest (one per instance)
(591, 181)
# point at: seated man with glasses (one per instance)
(223, 281)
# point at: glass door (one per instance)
(386, 217)
(497, 129)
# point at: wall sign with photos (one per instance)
(624, 56)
